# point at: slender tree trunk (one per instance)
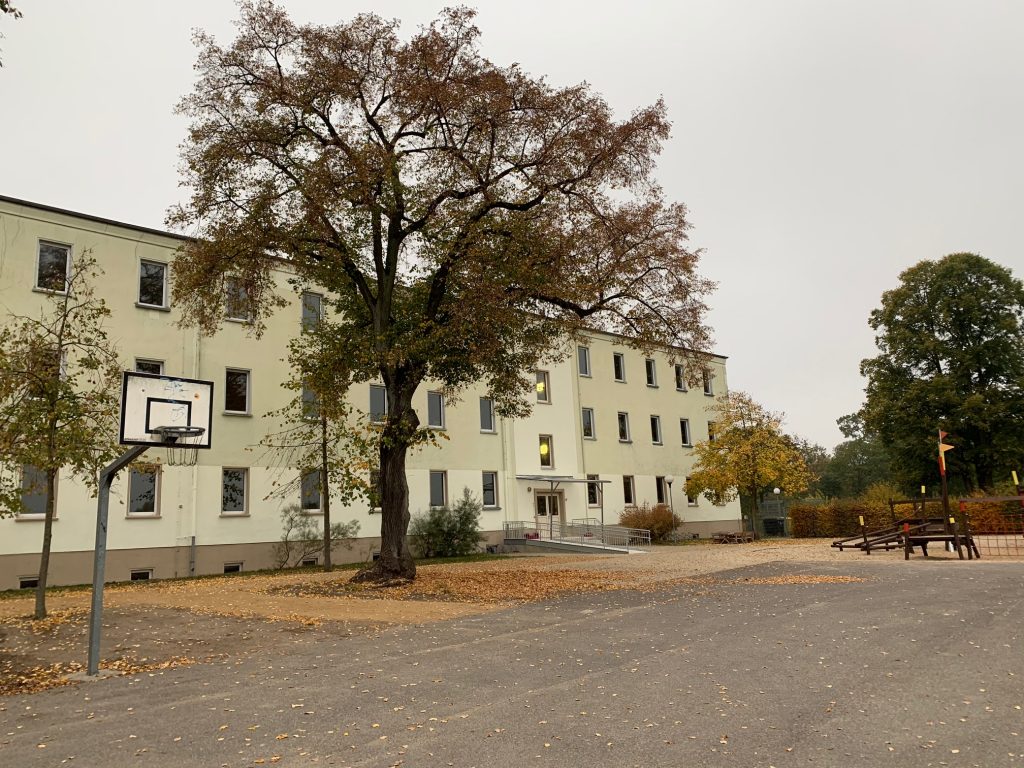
(755, 511)
(325, 493)
(396, 561)
(44, 559)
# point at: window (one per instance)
(28, 582)
(680, 378)
(486, 414)
(490, 484)
(310, 404)
(152, 284)
(141, 574)
(543, 387)
(628, 492)
(588, 424)
(378, 403)
(623, 427)
(708, 389)
(232, 567)
(593, 491)
(583, 360)
(233, 491)
(659, 489)
(52, 267)
(711, 431)
(684, 431)
(308, 562)
(310, 493)
(375, 492)
(652, 372)
(435, 410)
(619, 363)
(547, 454)
(236, 391)
(656, 430)
(149, 366)
(691, 498)
(312, 310)
(237, 305)
(143, 491)
(33, 491)
(438, 489)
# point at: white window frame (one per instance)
(42, 492)
(248, 392)
(319, 509)
(660, 490)
(583, 424)
(440, 402)
(691, 501)
(244, 511)
(688, 442)
(543, 386)
(153, 469)
(620, 422)
(596, 486)
(483, 487)
(651, 372)
(234, 285)
(490, 410)
(235, 567)
(304, 323)
(370, 413)
(620, 358)
(680, 374)
(375, 494)
(444, 488)
(163, 297)
(149, 361)
(551, 451)
(711, 431)
(583, 361)
(629, 490)
(140, 574)
(709, 384)
(659, 438)
(67, 265)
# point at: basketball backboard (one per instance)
(149, 401)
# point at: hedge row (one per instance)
(837, 519)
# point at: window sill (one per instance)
(488, 431)
(375, 511)
(684, 391)
(236, 413)
(620, 381)
(154, 307)
(625, 442)
(239, 320)
(492, 508)
(235, 514)
(652, 386)
(142, 516)
(586, 376)
(437, 428)
(47, 291)
(687, 445)
(709, 394)
(313, 512)
(657, 443)
(32, 518)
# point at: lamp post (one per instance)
(669, 479)
(778, 506)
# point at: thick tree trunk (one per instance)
(325, 494)
(44, 559)
(396, 561)
(755, 511)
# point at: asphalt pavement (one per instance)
(920, 664)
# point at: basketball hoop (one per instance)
(182, 444)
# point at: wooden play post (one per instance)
(864, 533)
(906, 541)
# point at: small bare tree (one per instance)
(59, 395)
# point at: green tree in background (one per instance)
(60, 387)
(951, 356)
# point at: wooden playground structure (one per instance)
(990, 524)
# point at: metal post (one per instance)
(100, 553)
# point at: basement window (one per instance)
(142, 574)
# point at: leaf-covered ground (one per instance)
(152, 626)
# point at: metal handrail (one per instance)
(586, 531)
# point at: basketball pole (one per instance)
(100, 554)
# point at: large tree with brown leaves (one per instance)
(463, 217)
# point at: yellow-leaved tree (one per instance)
(746, 453)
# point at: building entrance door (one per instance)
(548, 514)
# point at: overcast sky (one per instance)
(821, 146)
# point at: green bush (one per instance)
(447, 532)
(659, 520)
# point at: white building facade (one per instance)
(603, 412)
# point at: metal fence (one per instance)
(584, 531)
